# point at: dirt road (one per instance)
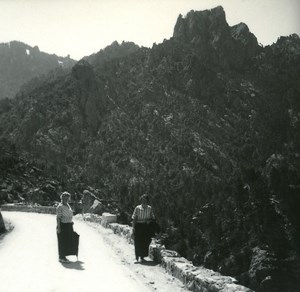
(29, 261)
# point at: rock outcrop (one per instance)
(87, 201)
(90, 95)
(209, 32)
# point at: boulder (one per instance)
(261, 267)
(96, 208)
(50, 190)
(87, 200)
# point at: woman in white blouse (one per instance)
(68, 240)
(142, 217)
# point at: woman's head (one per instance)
(144, 199)
(65, 196)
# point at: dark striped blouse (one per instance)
(142, 214)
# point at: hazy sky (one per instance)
(83, 27)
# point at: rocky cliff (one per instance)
(206, 122)
(209, 33)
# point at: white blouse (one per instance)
(64, 213)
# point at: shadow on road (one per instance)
(148, 263)
(78, 265)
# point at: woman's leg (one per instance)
(145, 246)
(59, 241)
(138, 237)
(142, 240)
(67, 238)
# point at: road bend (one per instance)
(29, 260)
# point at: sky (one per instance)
(82, 27)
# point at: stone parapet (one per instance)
(90, 218)
(122, 230)
(196, 279)
(108, 218)
(29, 208)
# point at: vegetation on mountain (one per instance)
(206, 122)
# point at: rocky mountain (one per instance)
(114, 51)
(19, 63)
(206, 122)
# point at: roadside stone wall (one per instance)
(29, 208)
(196, 279)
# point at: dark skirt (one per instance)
(142, 239)
(68, 240)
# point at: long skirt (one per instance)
(142, 239)
(68, 240)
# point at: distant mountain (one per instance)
(20, 63)
(206, 122)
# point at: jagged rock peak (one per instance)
(199, 23)
(291, 39)
(113, 51)
(289, 43)
(239, 29)
(17, 46)
(242, 33)
(121, 49)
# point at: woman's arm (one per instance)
(152, 216)
(58, 225)
(134, 218)
(58, 218)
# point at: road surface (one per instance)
(29, 260)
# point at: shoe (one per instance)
(142, 259)
(64, 260)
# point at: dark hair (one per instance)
(144, 196)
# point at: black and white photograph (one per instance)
(149, 145)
